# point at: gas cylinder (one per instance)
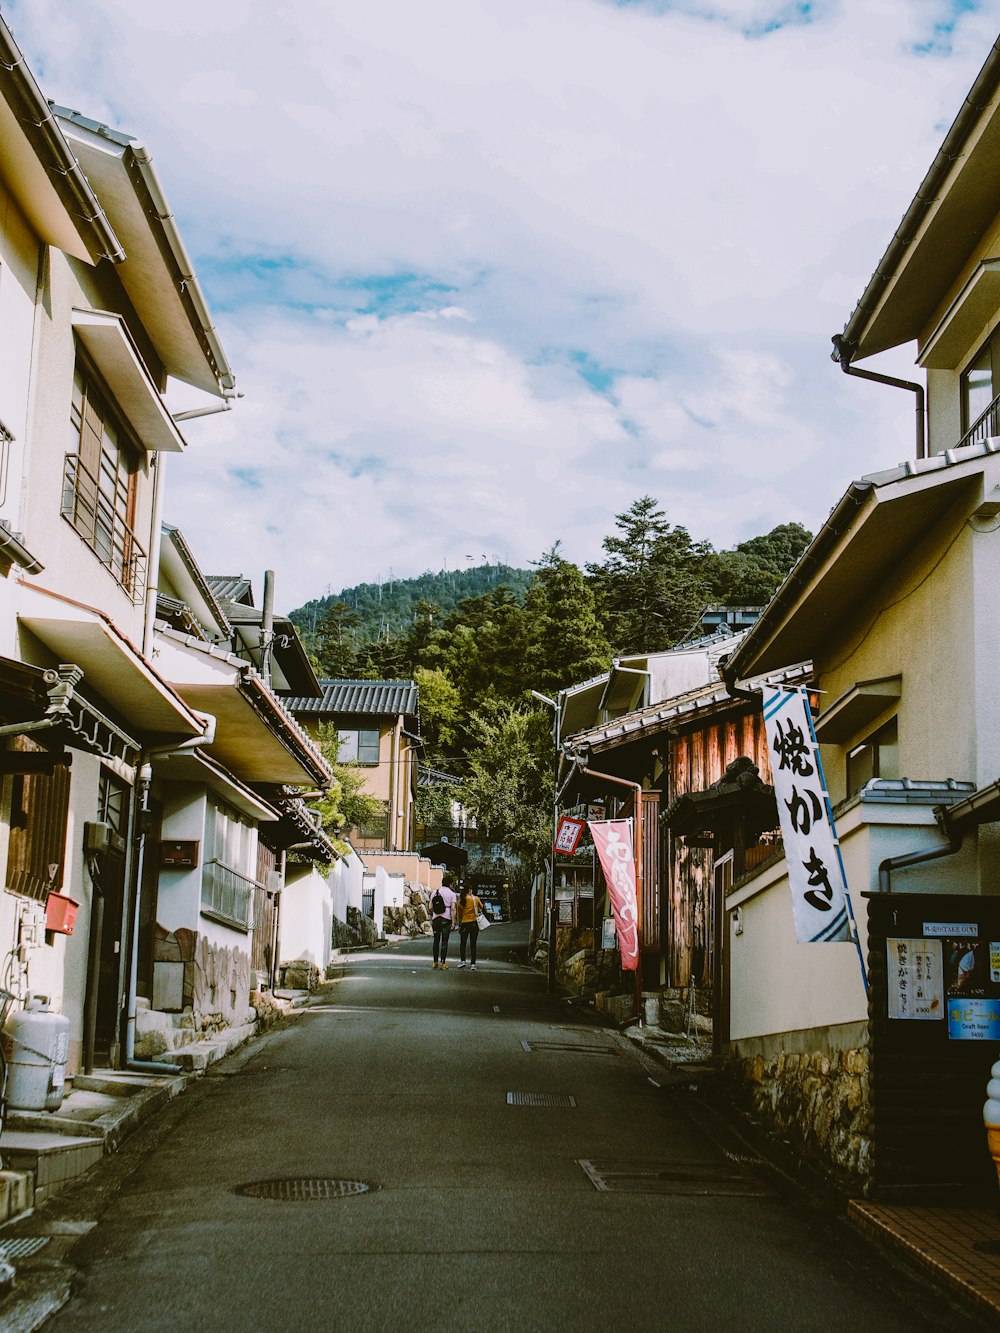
(36, 1046)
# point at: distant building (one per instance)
(378, 722)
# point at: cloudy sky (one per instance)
(488, 270)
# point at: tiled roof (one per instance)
(659, 715)
(381, 698)
(230, 587)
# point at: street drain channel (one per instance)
(304, 1189)
(540, 1099)
(19, 1247)
(575, 1048)
(670, 1178)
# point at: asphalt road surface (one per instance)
(480, 1214)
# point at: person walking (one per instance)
(469, 909)
(442, 920)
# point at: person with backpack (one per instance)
(442, 919)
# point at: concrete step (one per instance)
(52, 1159)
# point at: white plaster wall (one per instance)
(306, 916)
(178, 900)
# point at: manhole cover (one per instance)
(304, 1188)
(669, 1178)
(18, 1247)
(576, 1048)
(540, 1099)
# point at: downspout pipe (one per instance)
(636, 788)
(955, 838)
(155, 545)
(842, 353)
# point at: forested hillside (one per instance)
(479, 641)
(388, 606)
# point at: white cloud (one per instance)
(630, 196)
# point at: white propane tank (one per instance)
(36, 1046)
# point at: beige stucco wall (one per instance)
(910, 625)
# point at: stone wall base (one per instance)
(811, 1089)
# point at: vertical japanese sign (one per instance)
(914, 979)
(812, 852)
(613, 840)
(568, 834)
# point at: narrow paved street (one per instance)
(480, 1215)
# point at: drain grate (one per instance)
(540, 1099)
(19, 1247)
(670, 1178)
(298, 1189)
(577, 1048)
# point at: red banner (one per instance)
(613, 840)
(568, 834)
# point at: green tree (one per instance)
(749, 574)
(440, 711)
(566, 642)
(335, 643)
(509, 787)
(653, 582)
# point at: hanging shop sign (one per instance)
(613, 841)
(568, 834)
(812, 852)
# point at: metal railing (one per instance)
(227, 895)
(95, 517)
(985, 425)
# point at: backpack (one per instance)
(438, 903)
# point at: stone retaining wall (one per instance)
(811, 1089)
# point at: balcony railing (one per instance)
(227, 895)
(95, 517)
(984, 426)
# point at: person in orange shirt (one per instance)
(468, 909)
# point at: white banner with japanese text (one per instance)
(613, 840)
(812, 852)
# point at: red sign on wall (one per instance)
(568, 834)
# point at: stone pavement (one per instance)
(956, 1248)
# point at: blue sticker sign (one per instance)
(973, 1019)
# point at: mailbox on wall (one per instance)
(179, 855)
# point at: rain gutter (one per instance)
(891, 863)
(976, 101)
(49, 142)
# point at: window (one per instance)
(227, 886)
(229, 838)
(358, 747)
(877, 757)
(980, 386)
(99, 483)
(39, 810)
